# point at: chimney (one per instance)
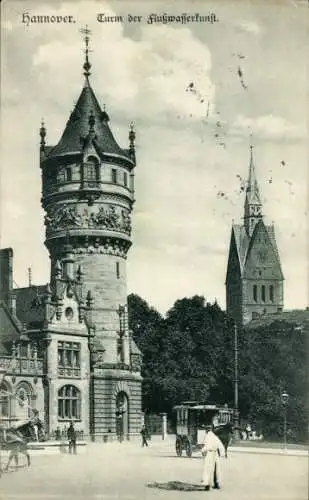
(6, 275)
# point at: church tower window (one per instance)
(125, 179)
(118, 270)
(255, 293)
(263, 294)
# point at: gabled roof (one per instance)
(77, 128)
(244, 242)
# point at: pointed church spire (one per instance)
(87, 65)
(252, 186)
(253, 204)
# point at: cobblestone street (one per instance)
(123, 471)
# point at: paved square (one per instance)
(122, 471)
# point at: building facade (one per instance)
(88, 364)
(254, 278)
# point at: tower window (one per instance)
(114, 175)
(68, 174)
(117, 270)
(263, 295)
(125, 179)
(255, 293)
(92, 169)
(91, 173)
(271, 293)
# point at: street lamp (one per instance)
(284, 401)
(236, 410)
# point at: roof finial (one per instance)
(43, 135)
(132, 136)
(87, 64)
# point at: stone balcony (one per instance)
(21, 365)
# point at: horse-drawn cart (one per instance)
(192, 418)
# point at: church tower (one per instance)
(88, 195)
(254, 279)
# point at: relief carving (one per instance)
(65, 216)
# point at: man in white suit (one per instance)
(212, 450)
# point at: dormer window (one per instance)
(92, 169)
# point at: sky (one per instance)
(199, 95)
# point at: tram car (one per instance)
(192, 418)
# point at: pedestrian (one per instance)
(212, 450)
(248, 431)
(58, 434)
(72, 438)
(144, 436)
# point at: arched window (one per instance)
(5, 401)
(263, 295)
(69, 403)
(271, 293)
(255, 293)
(23, 405)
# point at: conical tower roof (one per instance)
(77, 128)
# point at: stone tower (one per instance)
(254, 279)
(88, 195)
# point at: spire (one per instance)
(252, 186)
(77, 127)
(253, 204)
(87, 65)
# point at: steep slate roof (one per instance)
(30, 308)
(243, 241)
(296, 316)
(10, 329)
(77, 127)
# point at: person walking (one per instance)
(72, 438)
(248, 431)
(144, 436)
(212, 450)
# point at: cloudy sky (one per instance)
(190, 166)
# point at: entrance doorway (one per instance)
(122, 416)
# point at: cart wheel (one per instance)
(188, 448)
(179, 447)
